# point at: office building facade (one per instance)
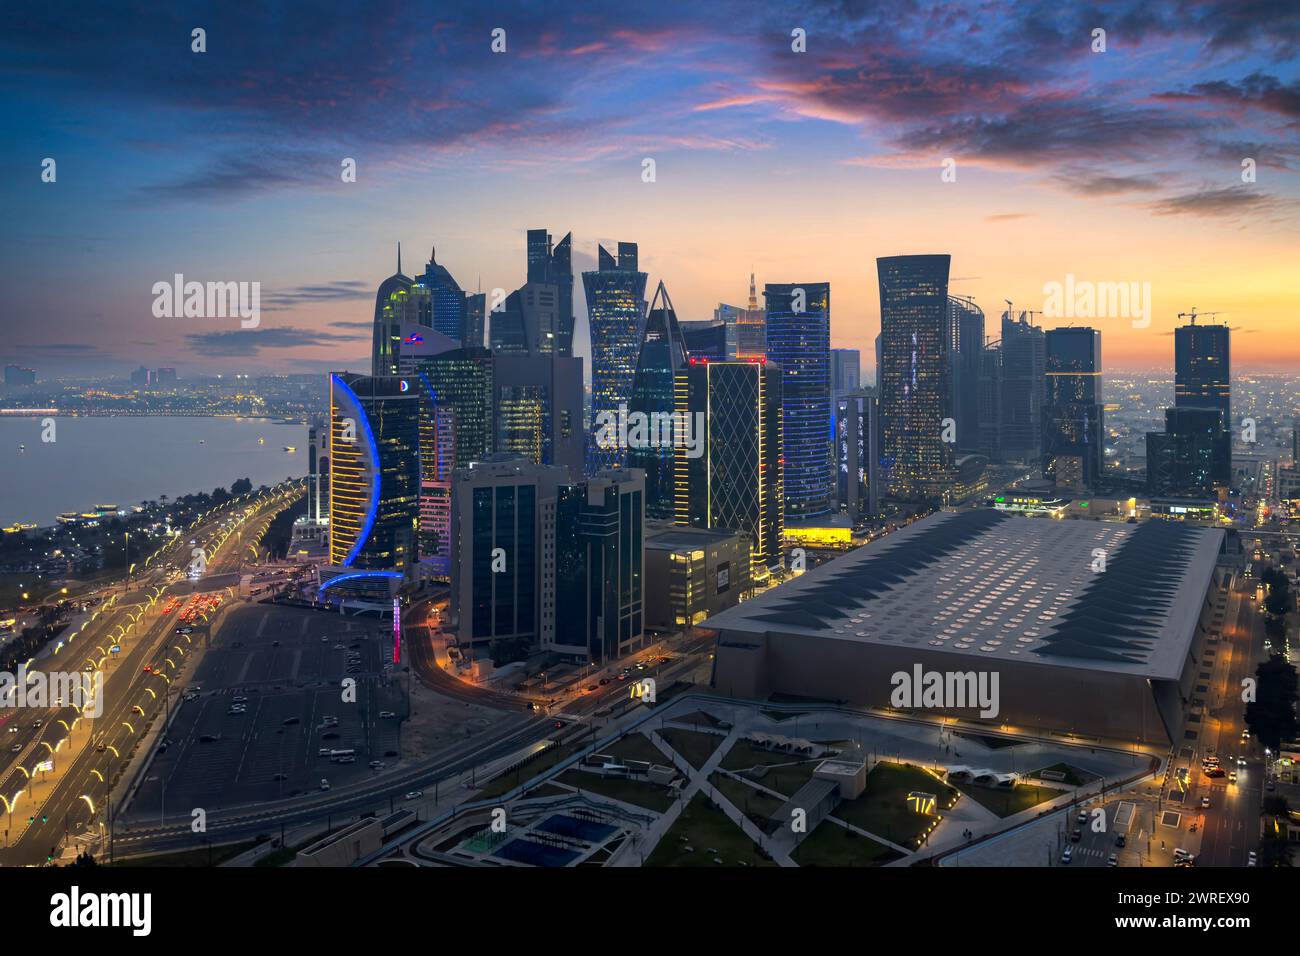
(1024, 365)
(616, 310)
(799, 343)
(735, 482)
(1073, 430)
(914, 377)
(653, 400)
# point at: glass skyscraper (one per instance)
(663, 355)
(799, 342)
(1073, 452)
(374, 464)
(1202, 369)
(394, 305)
(736, 483)
(915, 377)
(553, 265)
(462, 381)
(966, 347)
(1024, 361)
(616, 317)
(446, 309)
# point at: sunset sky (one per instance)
(1122, 166)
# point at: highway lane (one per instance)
(376, 794)
(1231, 825)
(56, 809)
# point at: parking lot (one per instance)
(269, 701)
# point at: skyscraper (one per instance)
(990, 390)
(391, 310)
(751, 328)
(616, 316)
(1192, 456)
(705, 340)
(966, 347)
(799, 342)
(462, 381)
(846, 371)
(736, 483)
(1202, 369)
(914, 376)
(502, 554)
(1073, 451)
(527, 324)
(663, 355)
(1024, 362)
(537, 409)
(857, 453)
(599, 567)
(374, 478)
(437, 459)
(446, 307)
(475, 320)
(553, 265)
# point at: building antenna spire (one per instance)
(399, 257)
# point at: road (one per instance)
(91, 752)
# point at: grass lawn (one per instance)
(508, 781)
(638, 747)
(705, 827)
(695, 746)
(755, 804)
(786, 779)
(1004, 802)
(832, 845)
(638, 792)
(196, 857)
(883, 808)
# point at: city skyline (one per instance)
(766, 160)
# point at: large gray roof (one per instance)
(987, 584)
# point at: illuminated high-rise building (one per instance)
(461, 381)
(374, 480)
(663, 355)
(1192, 456)
(616, 309)
(437, 459)
(537, 409)
(1073, 451)
(445, 309)
(705, 340)
(857, 453)
(393, 306)
(733, 479)
(553, 265)
(799, 342)
(1203, 369)
(914, 377)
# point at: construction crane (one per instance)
(1194, 315)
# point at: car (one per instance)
(1216, 772)
(36, 725)
(208, 738)
(13, 730)
(239, 700)
(1232, 776)
(377, 765)
(1112, 860)
(324, 751)
(592, 687)
(414, 795)
(1251, 859)
(324, 784)
(275, 643)
(16, 749)
(1121, 840)
(1245, 735)
(290, 721)
(1082, 818)
(386, 715)
(559, 724)
(1065, 856)
(1076, 835)
(604, 681)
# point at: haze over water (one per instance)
(127, 460)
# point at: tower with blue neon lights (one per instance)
(799, 342)
(374, 480)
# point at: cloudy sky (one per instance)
(1119, 166)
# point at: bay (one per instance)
(125, 460)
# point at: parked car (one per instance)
(414, 795)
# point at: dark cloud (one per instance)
(342, 290)
(248, 343)
(1086, 183)
(1256, 90)
(1228, 202)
